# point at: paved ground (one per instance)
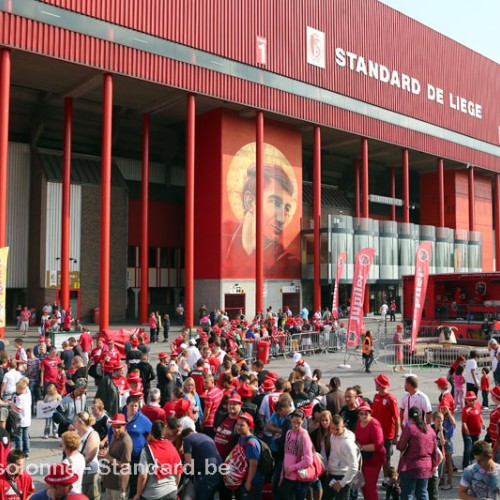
(45, 452)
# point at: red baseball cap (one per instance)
(441, 382)
(246, 416)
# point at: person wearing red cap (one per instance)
(370, 438)
(213, 397)
(184, 414)
(392, 311)
(60, 480)
(252, 486)
(225, 437)
(117, 459)
(494, 426)
(449, 425)
(386, 410)
(48, 369)
(13, 476)
(472, 424)
(445, 395)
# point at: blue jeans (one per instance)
(22, 440)
(468, 442)
(288, 488)
(205, 486)
(413, 489)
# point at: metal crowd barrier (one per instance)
(443, 357)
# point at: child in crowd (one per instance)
(449, 425)
(459, 382)
(485, 387)
(50, 425)
(393, 491)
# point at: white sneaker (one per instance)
(46, 436)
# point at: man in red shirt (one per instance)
(212, 400)
(225, 438)
(85, 341)
(385, 409)
(153, 410)
(495, 422)
(110, 355)
(14, 478)
(48, 369)
(445, 395)
(119, 379)
(198, 375)
(472, 424)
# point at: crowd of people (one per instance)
(203, 419)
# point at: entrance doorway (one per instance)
(74, 302)
(233, 302)
(292, 300)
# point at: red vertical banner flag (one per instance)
(422, 264)
(341, 261)
(363, 263)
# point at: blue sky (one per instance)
(475, 24)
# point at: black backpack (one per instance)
(13, 423)
(266, 459)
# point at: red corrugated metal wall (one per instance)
(39, 38)
(364, 27)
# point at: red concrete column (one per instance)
(357, 197)
(365, 207)
(393, 192)
(472, 212)
(107, 122)
(143, 314)
(440, 165)
(4, 140)
(406, 186)
(496, 203)
(4, 145)
(259, 210)
(317, 216)
(189, 237)
(66, 202)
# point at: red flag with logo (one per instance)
(422, 264)
(341, 261)
(363, 263)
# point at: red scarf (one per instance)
(165, 457)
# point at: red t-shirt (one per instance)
(169, 408)
(386, 410)
(198, 376)
(110, 356)
(223, 437)
(121, 383)
(213, 398)
(50, 368)
(86, 341)
(448, 399)
(214, 365)
(485, 383)
(471, 416)
(494, 418)
(154, 413)
(24, 484)
(61, 383)
(95, 355)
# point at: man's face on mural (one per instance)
(277, 205)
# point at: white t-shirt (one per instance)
(493, 359)
(419, 399)
(471, 364)
(77, 463)
(10, 379)
(23, 403)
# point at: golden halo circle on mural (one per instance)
(237, 172)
